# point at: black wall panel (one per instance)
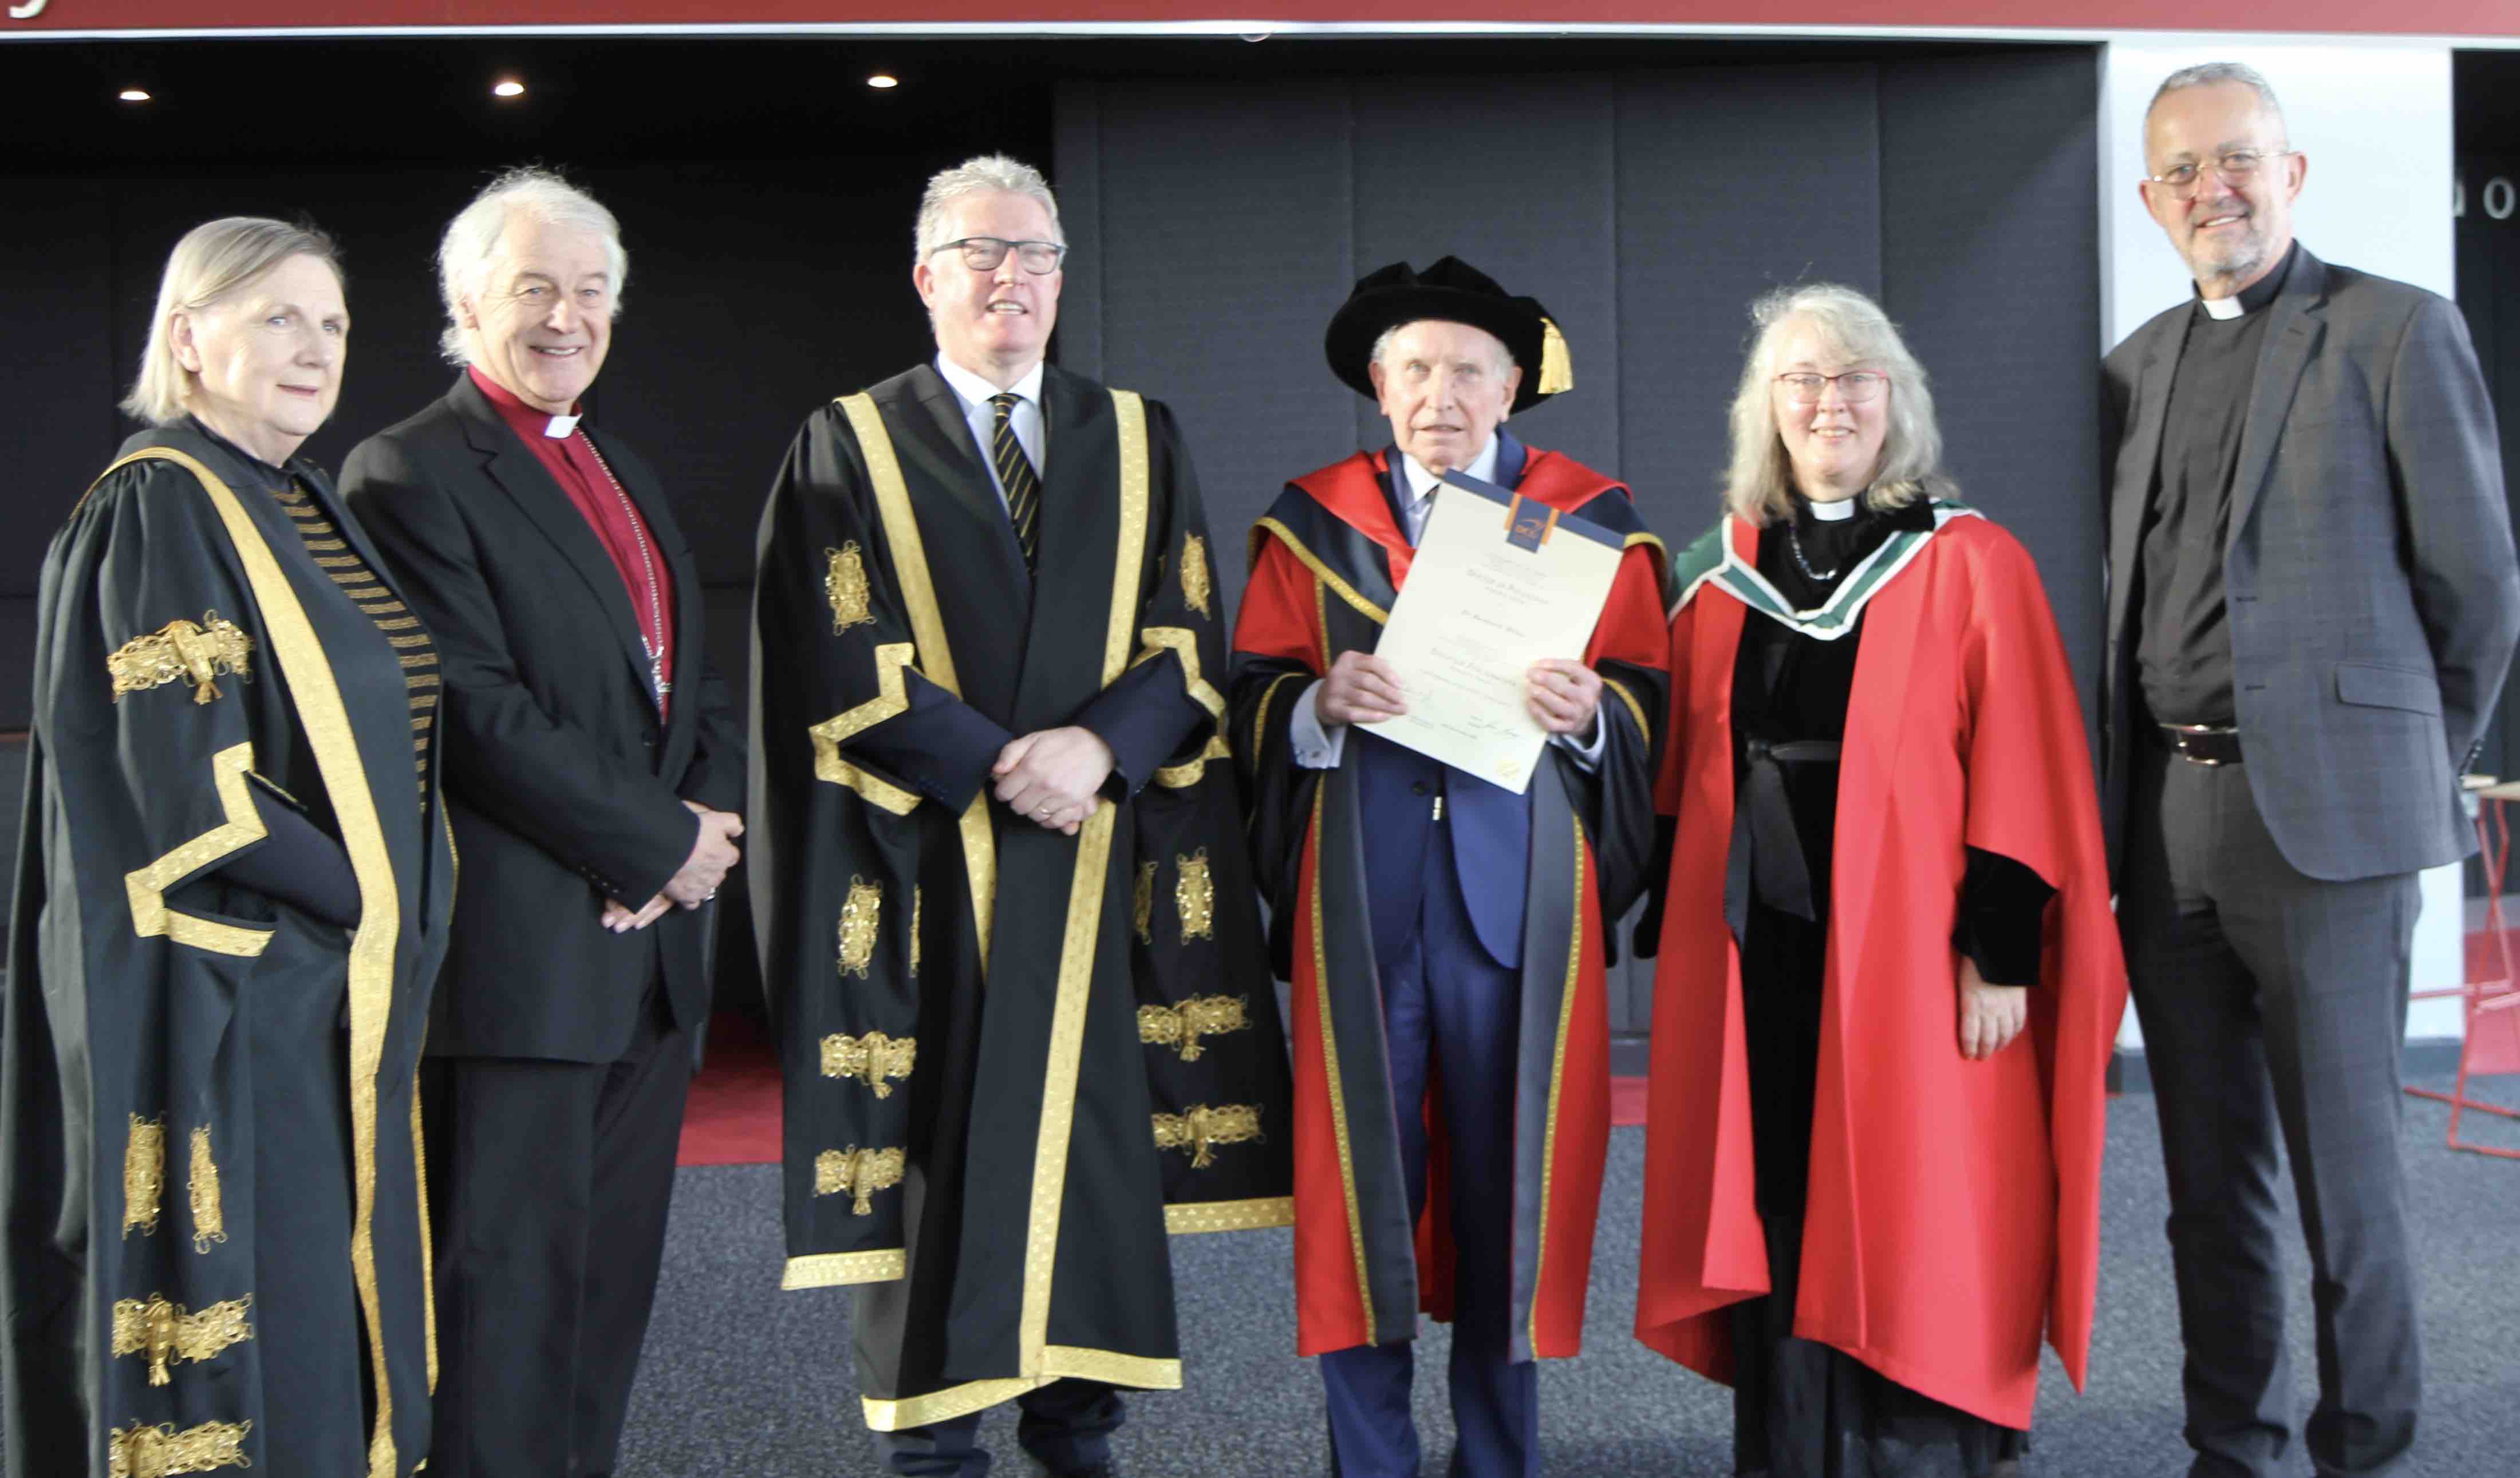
(1731, 180)
(1988, 219)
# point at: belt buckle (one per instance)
(2184, 740)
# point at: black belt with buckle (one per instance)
(2203, 744)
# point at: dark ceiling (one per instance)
(612, 100)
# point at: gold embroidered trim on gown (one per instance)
(167, 1335)
(210, 1218)
(159, 1452)
(1180, 1027)
(859, 1174)
(873, 1057)
(216, 647)
(1195, 896)
(858, 919)
(844, 586)
(1194, 572)
(1201, 1129)
(144, 1174)
(1186, 1218)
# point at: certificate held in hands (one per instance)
(1498, 582)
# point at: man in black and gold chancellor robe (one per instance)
(987, 644)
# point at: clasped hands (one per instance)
(1054, 778)
(713, 854)
(1363, 688)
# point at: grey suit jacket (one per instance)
(2372, 595)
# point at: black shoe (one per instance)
(1099, 1470)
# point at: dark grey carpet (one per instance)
(741, 1378)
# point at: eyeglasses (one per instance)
(2236, 166)
(1853, 386)
(982, 253)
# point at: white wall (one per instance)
(2373, 117)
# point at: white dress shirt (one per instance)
(1318, 746)
(973, 394)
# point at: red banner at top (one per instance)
(2443, 17)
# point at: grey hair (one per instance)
(2214, 73)
(1382, 344)
(980, 174)
(214, 262)
(1758, 484)
(464, 252)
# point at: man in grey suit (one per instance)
(2311, 603)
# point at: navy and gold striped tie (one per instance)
(1015, 473)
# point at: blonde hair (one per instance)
(213, 262)
(472, 238)
(1759, 484)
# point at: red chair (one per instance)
(2492, 1040)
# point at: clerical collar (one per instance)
(2256, 294)
(1834, 513)
(521, 416)
(975, 390)
(1421, 482)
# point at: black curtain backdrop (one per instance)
(1218, 226)
(1221, 199)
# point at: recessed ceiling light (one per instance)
(508, 87)
(133, 95)
(882, 80)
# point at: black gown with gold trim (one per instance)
(1015, 1059)
(209, 1159)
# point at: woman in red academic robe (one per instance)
(1889, 978)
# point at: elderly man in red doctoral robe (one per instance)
(1445, 936)
(1889, 975)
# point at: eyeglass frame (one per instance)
(1016, 247)
(2256, 158)
(1825, 381)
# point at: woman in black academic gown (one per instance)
(1889, 975)
(231, 891)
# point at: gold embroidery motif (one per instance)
(873, 1057)
(857, 925)
(159, 1452)
(181, 649)
(144, 1174)
(1203, 1128)
(844, 585)
(209, 1219)
(1195, 896)
(167, 1334)
(1146, 903)
(1182, 1026)
(857, 1173)
(1195, 586)
(917, 908)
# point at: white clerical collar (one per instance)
(1834, 513)
(2224, 307)
(561, 427)
(1422, 483)
(976, 391)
